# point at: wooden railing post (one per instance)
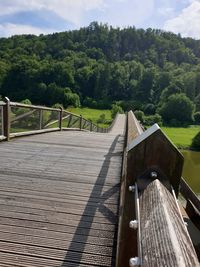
(40, 119)
(91, 126)
(81, 119)
(158, 236)
(60, 118)
(6, 119)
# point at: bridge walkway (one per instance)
(59, 195)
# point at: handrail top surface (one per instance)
(143, 136)
(2, 103)
(16, 104)
(6, 105)
(137, 124)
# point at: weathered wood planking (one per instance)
(59, 196)
(149, 155)
(165, 240)
(127, 206)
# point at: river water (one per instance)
(191, 170)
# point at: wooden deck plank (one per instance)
(59, 197)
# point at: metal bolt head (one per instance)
(133, 224)
(134, 262)
(131, 188)
(154, 174)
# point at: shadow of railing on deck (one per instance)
(96, 193)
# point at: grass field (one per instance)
(181, 137)
(93, 114)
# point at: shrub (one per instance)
(149, 109)
(150, 120)
(102, 118)
(197, 117)
(116, 109)
(196, 142)
(139, 115)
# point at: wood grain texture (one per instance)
(165, 240)
(127, 205)
(59, 196)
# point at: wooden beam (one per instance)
(24, 115)
(81, 122)
(40, 119)
(153, 151)
(60, 118)
(188, 194)
(21, 105)
(1, 119)
(164, 238)
(6, 119)
(134, 127)
(19, 134)
(127, 239)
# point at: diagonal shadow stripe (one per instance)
(96, 193)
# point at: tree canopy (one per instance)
(177, 110)
(100, 65)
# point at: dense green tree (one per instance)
(177, 110)
(101, 64)
(197, 117)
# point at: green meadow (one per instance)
(93, 114)
(181, 137)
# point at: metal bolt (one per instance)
(134, 262)
(153, 174)
(133, 224)
(131, 188)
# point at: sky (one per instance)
(48, 16)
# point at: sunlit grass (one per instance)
(181, 137)
(93, 114)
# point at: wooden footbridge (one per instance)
(80, 195)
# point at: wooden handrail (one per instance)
(165, 240)
(1, 118)
(21, 105)
(189, 194)
(24, 115)
(7, 105)
(153, 165)
(2, 103)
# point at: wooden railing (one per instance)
(1, 121)
(152, 232)
(192, 205)
(17, 119)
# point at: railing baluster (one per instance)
(60, 118)
(6, 119)
(41, 119)
(81, 120)
(43, 124)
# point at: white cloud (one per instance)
(71, 10)
(166, 11)
(187, 23)
(9, 29)
(128, 12)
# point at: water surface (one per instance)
(191, 170)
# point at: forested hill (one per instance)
(100, 65)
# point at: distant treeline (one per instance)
(99, 65)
